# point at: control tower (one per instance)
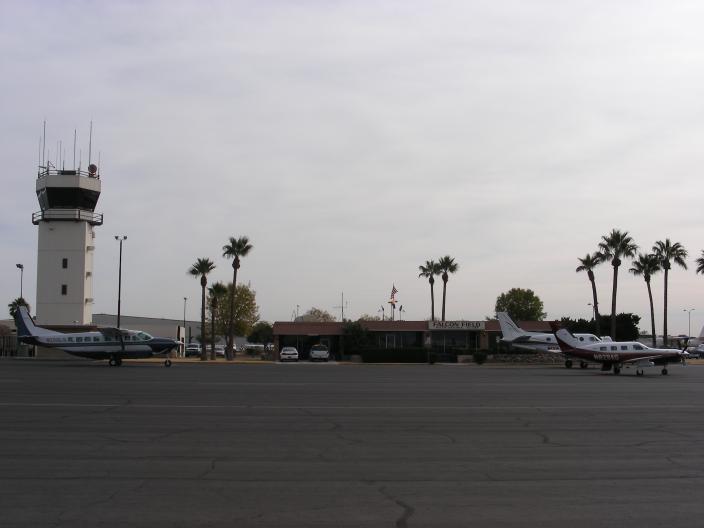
(66, 243)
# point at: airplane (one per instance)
(113, 344)
(617, 354)
(537, 341)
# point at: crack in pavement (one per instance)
(408, 511)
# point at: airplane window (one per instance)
(624, 347)
(602, 348)
(70, 340)
(96, 339)
(79, 340)
(614, 348)
(581, 338)
(549, 338)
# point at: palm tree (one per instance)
(588, 263)
(700, 263)
(447, 265)
(646, 266)
(429, 270)
(15, 305)
(216, 291)
(201, 268)
(613, 247)
(666, 251)
(238, 247)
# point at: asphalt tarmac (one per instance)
(83, 444)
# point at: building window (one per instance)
(64, 263)
(64, 289)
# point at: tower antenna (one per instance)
(44, 146)
(90, 141)
(74, 148)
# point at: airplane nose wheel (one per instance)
(167, 363)
(664, 372)
(115, 362)
(639, 372)
(583, 364)
(568, 363)
(617, 370)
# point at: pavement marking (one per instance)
(354, 407)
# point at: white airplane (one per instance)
(113, 344)
(618, 354)
(537, 341)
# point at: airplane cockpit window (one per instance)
(624, 347)
(142, 336)
(637, 347)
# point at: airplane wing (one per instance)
(645, 358)
(520, 339)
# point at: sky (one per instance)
(351, 141)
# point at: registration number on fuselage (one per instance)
(600, 356)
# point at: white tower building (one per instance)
(66, 243)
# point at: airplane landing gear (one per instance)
(568, 363)
(583, 364)
(617, 370)
(167, 363)
(115, 361)
(639, 372)
(664, 371)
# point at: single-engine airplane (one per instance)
(113, 344)
(515, 336)
(617, 354)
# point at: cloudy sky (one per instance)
(353, 140)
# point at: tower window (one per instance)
(64, 289)
(64, 263)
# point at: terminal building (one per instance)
(448, 337)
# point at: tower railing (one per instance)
(44, 172)
(65, 215)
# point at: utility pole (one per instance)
(120, 239)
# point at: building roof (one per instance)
(337, 328)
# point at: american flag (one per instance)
(394, 291)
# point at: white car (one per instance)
(288, 354)
(319, 353)
(219, 350)
(192, 349)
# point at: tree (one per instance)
(367, 317)
(236, 249)
(667, 252)
(201, 268)
(588, 263)
(355, 337)
(428, 271)
(626, 325)
(700, 263)
(216, 293)
(613, 247)
(447, 265)
(521, 305)
(246, 311)
(645, 266)
(15, 304)
(262, 332)
(316, 315)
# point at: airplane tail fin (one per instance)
(509, 329)
(26, 326)
(565, 340)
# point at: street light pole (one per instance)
(120, 239)
(21, 268)
(689, 320)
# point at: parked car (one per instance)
(319, 353)
(219, 350)
(192, 349)
(288, 354)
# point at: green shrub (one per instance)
(479, 356)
